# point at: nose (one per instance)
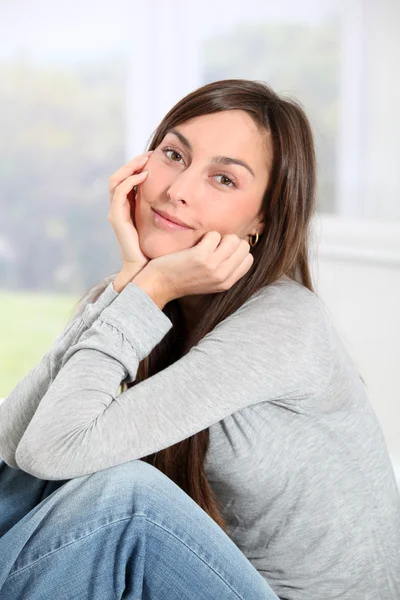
(184, 188)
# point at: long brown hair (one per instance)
(287, 207)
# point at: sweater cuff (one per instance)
(93, 310)
(138, 318)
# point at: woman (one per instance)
(242, 458)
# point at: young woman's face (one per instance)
(187, 184)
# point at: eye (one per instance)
(166, 149)
(232, 182)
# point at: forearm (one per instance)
(75, 426)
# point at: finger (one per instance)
(134, 161)
(239, 271)
(129, 166)
(122, 190)
(125, 186)
(237, 258)
(209, 242)
(125, 172)
(228, 245)
(134, 165)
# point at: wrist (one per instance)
(125, 276)
(153, 286)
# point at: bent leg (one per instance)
(125, 532)
(20, 492)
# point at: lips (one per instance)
(171, 218)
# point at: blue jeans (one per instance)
(125, 532)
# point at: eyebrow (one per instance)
(220, 160)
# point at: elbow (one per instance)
(7, 443)
(32, 462)
(40, 461)
(8, 458)
(56, 453)
(52, 459)
(7, 453)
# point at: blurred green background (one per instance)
(29, 323)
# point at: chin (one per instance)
(153, 245)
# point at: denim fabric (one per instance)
(125, 532)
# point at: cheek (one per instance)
(147, 194)
(155, 184)
(223, 219)
(232, 218)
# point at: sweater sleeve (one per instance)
(18, 408)
(273, 348)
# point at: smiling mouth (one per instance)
(164, 223)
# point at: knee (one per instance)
(134, 474)
(121, 486)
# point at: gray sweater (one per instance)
(296, 452)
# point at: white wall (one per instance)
(357, 275)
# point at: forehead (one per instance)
(230, 133)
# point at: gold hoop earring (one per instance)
(251, 242)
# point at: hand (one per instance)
(122, 211)
(213, 265)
